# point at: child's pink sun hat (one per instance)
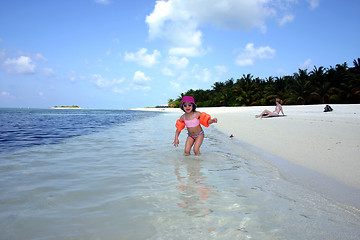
(188, 99)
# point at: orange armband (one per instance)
(179, 125)
(204, 118)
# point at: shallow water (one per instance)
(127, 181)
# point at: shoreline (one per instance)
(316, 148)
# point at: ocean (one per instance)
(114, 174)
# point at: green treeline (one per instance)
(73, 106)
(339, 84)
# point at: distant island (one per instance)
(66, 107)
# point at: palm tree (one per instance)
(218, 86)
(245, 89)
(301, 86)
(319, 86)
(357, 63)
(339, 84)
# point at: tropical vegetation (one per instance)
(339, 84)
(73, 106)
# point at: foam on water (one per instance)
(129, 182)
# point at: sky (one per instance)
(120, 54)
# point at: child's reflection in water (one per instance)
(194, 193)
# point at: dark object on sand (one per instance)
(327, 108)
(274, 116)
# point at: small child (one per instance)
(192, 120)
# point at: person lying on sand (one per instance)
(275, 113)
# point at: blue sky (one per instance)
(139, 53)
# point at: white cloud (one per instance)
(306, 64)
(250, 54)
(178, 62)
(21, 65)
(103, 82)
(42, 95)
(175, 66)
(178, 21)
(140, 78)
(221, 69)
(175, 85)
(49, 72)
(105, 2)
(120, 90)
(230, 14)
(141, 87)
(2, 53)
(281, 72)
(286, 19)
(204, 75)
(116, 40)
(191, 78)
(167, 72)
(187, 51)
(313, 4)
(140, 81)
(142, 58)
(219, 72)
(5, 94)
(173, 22)
(39, 56)
(72, 76)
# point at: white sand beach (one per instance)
(328, 143)
(324, 142)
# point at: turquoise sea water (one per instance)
(116, 175)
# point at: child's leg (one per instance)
(199, 140)
(189, 142)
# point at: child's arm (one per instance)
(176, 141)
(177, 132)
(205, 119)
(213, 120)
